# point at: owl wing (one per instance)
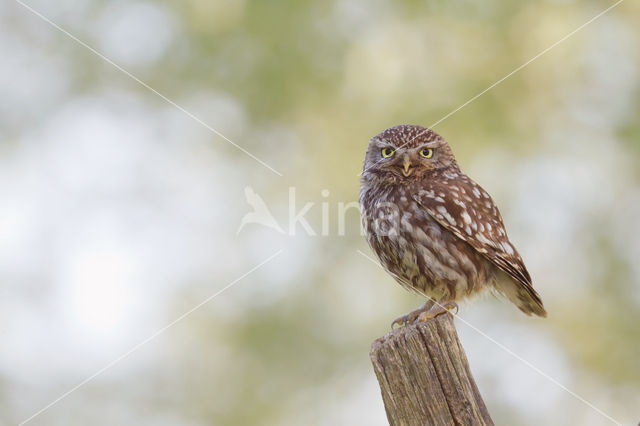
(462, 207)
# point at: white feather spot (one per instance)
(445, 214)
(466, 217)
(483, 239)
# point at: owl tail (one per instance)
(522, 295)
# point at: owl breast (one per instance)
(417, 251)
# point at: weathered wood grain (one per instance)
(424, 376)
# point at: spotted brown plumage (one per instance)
(435, 230)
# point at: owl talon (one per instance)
(449, 306)
(436, 310)
(406, 319)
(412, 316)
(402, 320)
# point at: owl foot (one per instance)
(435, 310)
(412, 316)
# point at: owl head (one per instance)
(406, 153)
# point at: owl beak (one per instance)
(406, 166)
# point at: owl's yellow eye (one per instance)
(426, 152)
(387, 152)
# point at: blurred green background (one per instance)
(120, 211)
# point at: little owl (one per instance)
(435, 230)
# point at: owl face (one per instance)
(406, 153)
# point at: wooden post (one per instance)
(424, 376)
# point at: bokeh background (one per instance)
(119, 212)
